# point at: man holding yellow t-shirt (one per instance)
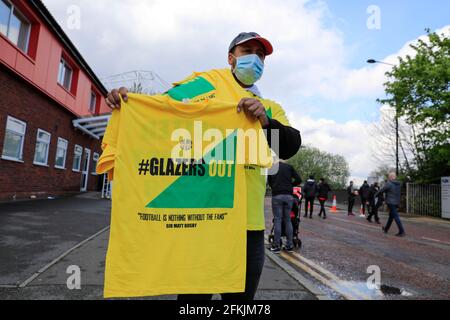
(246, 57)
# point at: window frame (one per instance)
(81, 158)
(66, 66)
(65, 154)
(95, 158)
(22, 17)
(48, 148)
(21, 159)
(93, 109)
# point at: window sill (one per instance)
(94, 174)
(24, 54)
(12, 159)
(66, 90)
(76, 171)
(41, 164)
(60, 168)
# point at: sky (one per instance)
(318, 71)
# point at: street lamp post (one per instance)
(397, 137)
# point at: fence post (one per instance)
(407, 198)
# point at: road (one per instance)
(337, 252)
(39, 240)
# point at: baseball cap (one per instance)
(247, 36)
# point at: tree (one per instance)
(311, 161)
(419, 90)
(136, 88)
(381, 173)
(384, 148)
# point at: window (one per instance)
(65, 74)
(77, 158)
(14, 139)
(14, 25)
(61, 154)
(42, 148)
(93, 102)
(94, 163)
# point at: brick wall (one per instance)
(20, 100)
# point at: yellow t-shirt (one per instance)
(220, 84)
(178, 213)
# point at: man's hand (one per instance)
(113, 98)
(254, 109)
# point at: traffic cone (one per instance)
(334, 207)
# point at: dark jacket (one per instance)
(371, 195)
(364, 191)
(285, 179)
(324, 190)
(310, 189)
(393, 191)
(351, 192)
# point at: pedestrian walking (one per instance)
(282, 185)
(392, 189)
(364, 194)
(324, 190)
(351, 198)
(310, 190)
(374, 203)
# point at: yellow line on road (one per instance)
(318, 277)
(314, 270)
(315, 266)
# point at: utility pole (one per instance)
(397, 135)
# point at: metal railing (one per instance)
(424, 200)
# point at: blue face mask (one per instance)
(249, 69)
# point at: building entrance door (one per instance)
(85, 169)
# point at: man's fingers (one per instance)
(116, 97)
(108, 102)
(241, 105)
(124, 93)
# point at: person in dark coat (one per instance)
(393, 191)
(351, 198)
(374, 204)
(282, 184)
(324, 190)
(310, 191)
(364, 194)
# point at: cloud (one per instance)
(176, 37)
(351, 139)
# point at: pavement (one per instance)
(41, 239)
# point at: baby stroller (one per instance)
(295, 220)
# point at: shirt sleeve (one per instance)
(109, 145)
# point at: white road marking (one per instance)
(436, 240)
